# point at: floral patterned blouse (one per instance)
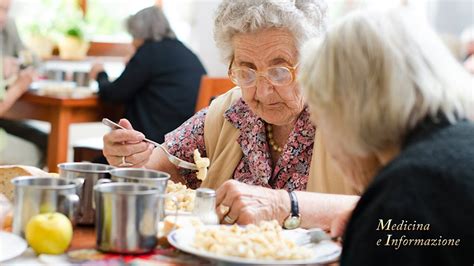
(255, 168)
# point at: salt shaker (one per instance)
(205, 206)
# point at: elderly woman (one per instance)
(160, 82)
(384, 84)
(259, 133)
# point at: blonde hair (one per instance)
(376, 75)
(304, 18)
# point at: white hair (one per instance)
(304, 18)
(150, 24)
(376, 75)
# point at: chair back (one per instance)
(210, 88)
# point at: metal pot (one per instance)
(154, 178)
(56, 75)
(126, 217)
(88, 174)
(81, 78)
(150, 177)
(34, 195)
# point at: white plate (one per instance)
(324, 251)
(11, 246)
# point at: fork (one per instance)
(173, 159)
(314, 235)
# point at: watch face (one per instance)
(292, 222)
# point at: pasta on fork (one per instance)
(202, 163)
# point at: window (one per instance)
(103, 20)
(106, 18)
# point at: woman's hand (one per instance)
(95, 70)
(25, 77)
(244, 204)
(126, 148)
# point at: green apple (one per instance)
(49, 233)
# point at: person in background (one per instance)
(160, 83)
(11, 47)
(15, 150)
(383, 83)
(11, 42)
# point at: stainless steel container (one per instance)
(150, 177)
(56, 74)
(81, 78)
(126, 217)
(34, 195)
(88, 174)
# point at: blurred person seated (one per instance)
(160, 83)
(383, 83)
(10, 39)
(12, 48)
(13, 149)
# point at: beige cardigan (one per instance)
(225, 153)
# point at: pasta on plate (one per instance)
(264, 241)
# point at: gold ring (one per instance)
(125, 163)
(229, 220)
(224, 209)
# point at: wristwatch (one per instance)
(294, 219)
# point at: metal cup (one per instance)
(149, 177)
(81, 78)
(55, 74)
(127, 217)
(154, 178)
(34, 195)
(88, 174)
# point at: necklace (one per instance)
(271, 141)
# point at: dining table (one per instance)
(60, 112)
(82, 252)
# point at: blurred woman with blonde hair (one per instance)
(382, 83)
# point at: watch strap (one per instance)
(294, 204)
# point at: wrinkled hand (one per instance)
(10, 66)
(95, 70)
(244, 204)
(126, 145)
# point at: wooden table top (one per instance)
(84, 237)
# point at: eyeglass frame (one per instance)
(292, 70)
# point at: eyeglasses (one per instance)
(247, 77)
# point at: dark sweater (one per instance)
(431, 182)
(158, 87)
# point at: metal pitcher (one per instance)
(127, 217)
(88, 174)
(34, 195)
